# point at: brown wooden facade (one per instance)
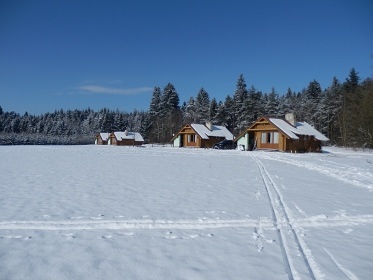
(100, 141)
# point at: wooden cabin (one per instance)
(125, 138)
(282, 135)
(201, 135)
(102, 138)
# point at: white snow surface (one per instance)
(177, 213)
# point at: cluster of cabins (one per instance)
(125, 138)
(265, 133)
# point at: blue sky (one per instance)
(79, 54)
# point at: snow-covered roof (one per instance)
(302, 128)
(285, 127)
(104, 136)
(216, 131)
(128, 135)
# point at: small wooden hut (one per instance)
(201, 135)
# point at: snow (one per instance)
(302, 128)
(104, 136)
(176, 213)
(217, 131)
(128, 135)
(285, 127)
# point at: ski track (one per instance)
(345, 271)
(132, 224)
(265, 223)
(355, 176)
(289, 248)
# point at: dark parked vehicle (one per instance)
(225, 145)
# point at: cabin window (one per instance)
(191, 138)
(270, 137)
(275, 137)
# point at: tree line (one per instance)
(343, 112)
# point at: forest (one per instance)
(343, 112)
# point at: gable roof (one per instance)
(216, 131)
(104, 136)
(129, 135)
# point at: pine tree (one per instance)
(189, 111)
(170, 99)
(352, 81)
(229, 114)
(202, 105)
(155, 103)
(213, 110)
(239, 106)
(171, 117)
(271, 105)
(351, 113)
(221, 114)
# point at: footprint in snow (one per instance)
(76, 218)
(69, 236)
(108, 236)
(347, 230)
(99, 217)
(169, 235)
(129, 234)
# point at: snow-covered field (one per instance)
(104, 212)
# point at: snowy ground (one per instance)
(101, 212)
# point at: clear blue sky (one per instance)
(79, 54)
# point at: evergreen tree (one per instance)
(221, 114)
(170, 99)
(202, 105)
(155, 103)
(239, 106)
(352, 81)
(271, 104)
(229, 114)
(170, 116)
(190, 111)
(213, 110)
(350, 112)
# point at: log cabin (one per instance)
(125, 138)
(282, 135)
(201, 135)
(102, 138)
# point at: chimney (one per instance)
(126, 132)
(290, 118)
(209, 125)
